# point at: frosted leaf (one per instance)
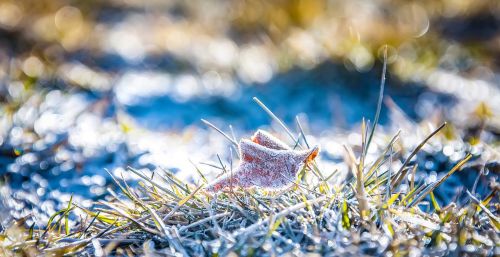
(265, 162)
(263, 138)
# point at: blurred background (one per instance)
(92, 85)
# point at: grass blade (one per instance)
(380, 100)
(275, 118)
(433, 186)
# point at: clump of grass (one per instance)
(165, 216)
(375, 212)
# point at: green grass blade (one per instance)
(379, 104)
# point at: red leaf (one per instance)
(266, 162)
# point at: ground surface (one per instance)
(102, 86)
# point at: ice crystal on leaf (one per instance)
(266, 162)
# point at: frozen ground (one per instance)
(122, 97)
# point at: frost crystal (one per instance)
(265, 162)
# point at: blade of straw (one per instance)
(275, 118)
(380, 98)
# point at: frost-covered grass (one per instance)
(378, 210)
(374, 212)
